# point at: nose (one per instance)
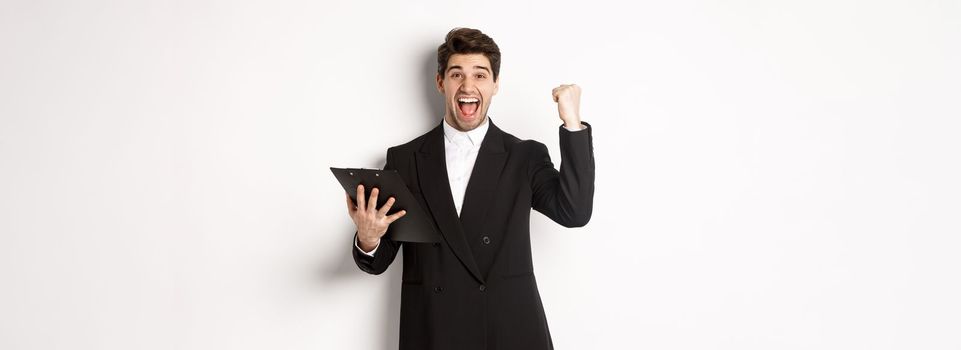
(468, 85)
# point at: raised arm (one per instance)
(566, 196)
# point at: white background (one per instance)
(770, 174)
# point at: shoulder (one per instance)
(528, 148)
(408, 147)
(528, 152)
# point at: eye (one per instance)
(481, 76)
(455, 75)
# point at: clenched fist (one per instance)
(371, 222)
(568, 98)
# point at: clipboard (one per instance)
(415, 226)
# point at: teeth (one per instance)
(468, 100)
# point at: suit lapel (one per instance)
(484, 178)
(432, 177)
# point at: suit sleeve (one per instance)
(384, 254)
(565, 196)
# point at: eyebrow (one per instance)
(476, 67)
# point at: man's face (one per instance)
(468, 86)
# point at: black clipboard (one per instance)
(415, 226)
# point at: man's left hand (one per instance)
(568, 98)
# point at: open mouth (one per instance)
(468, 106)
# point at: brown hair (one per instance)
(465, 41)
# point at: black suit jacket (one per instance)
(476, 289)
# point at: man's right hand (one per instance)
(371, 222)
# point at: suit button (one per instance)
(486, 239)
(482, 288)
(438, 289)
(435, 244)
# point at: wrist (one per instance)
(367, 245)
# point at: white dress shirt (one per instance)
(460, 149)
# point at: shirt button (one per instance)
(482, 288)
(438, 289)
(486, 239)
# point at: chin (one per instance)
(469, 124)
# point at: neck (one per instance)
(450, 121)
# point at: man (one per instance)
(476, 288)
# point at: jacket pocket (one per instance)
(412, 273)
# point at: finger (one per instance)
(372, 204)
(395, 216)
(386, 208)
(350, 203)
(554, 94)
(361, 198)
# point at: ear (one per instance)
(440, 83)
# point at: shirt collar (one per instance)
(474, 137)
